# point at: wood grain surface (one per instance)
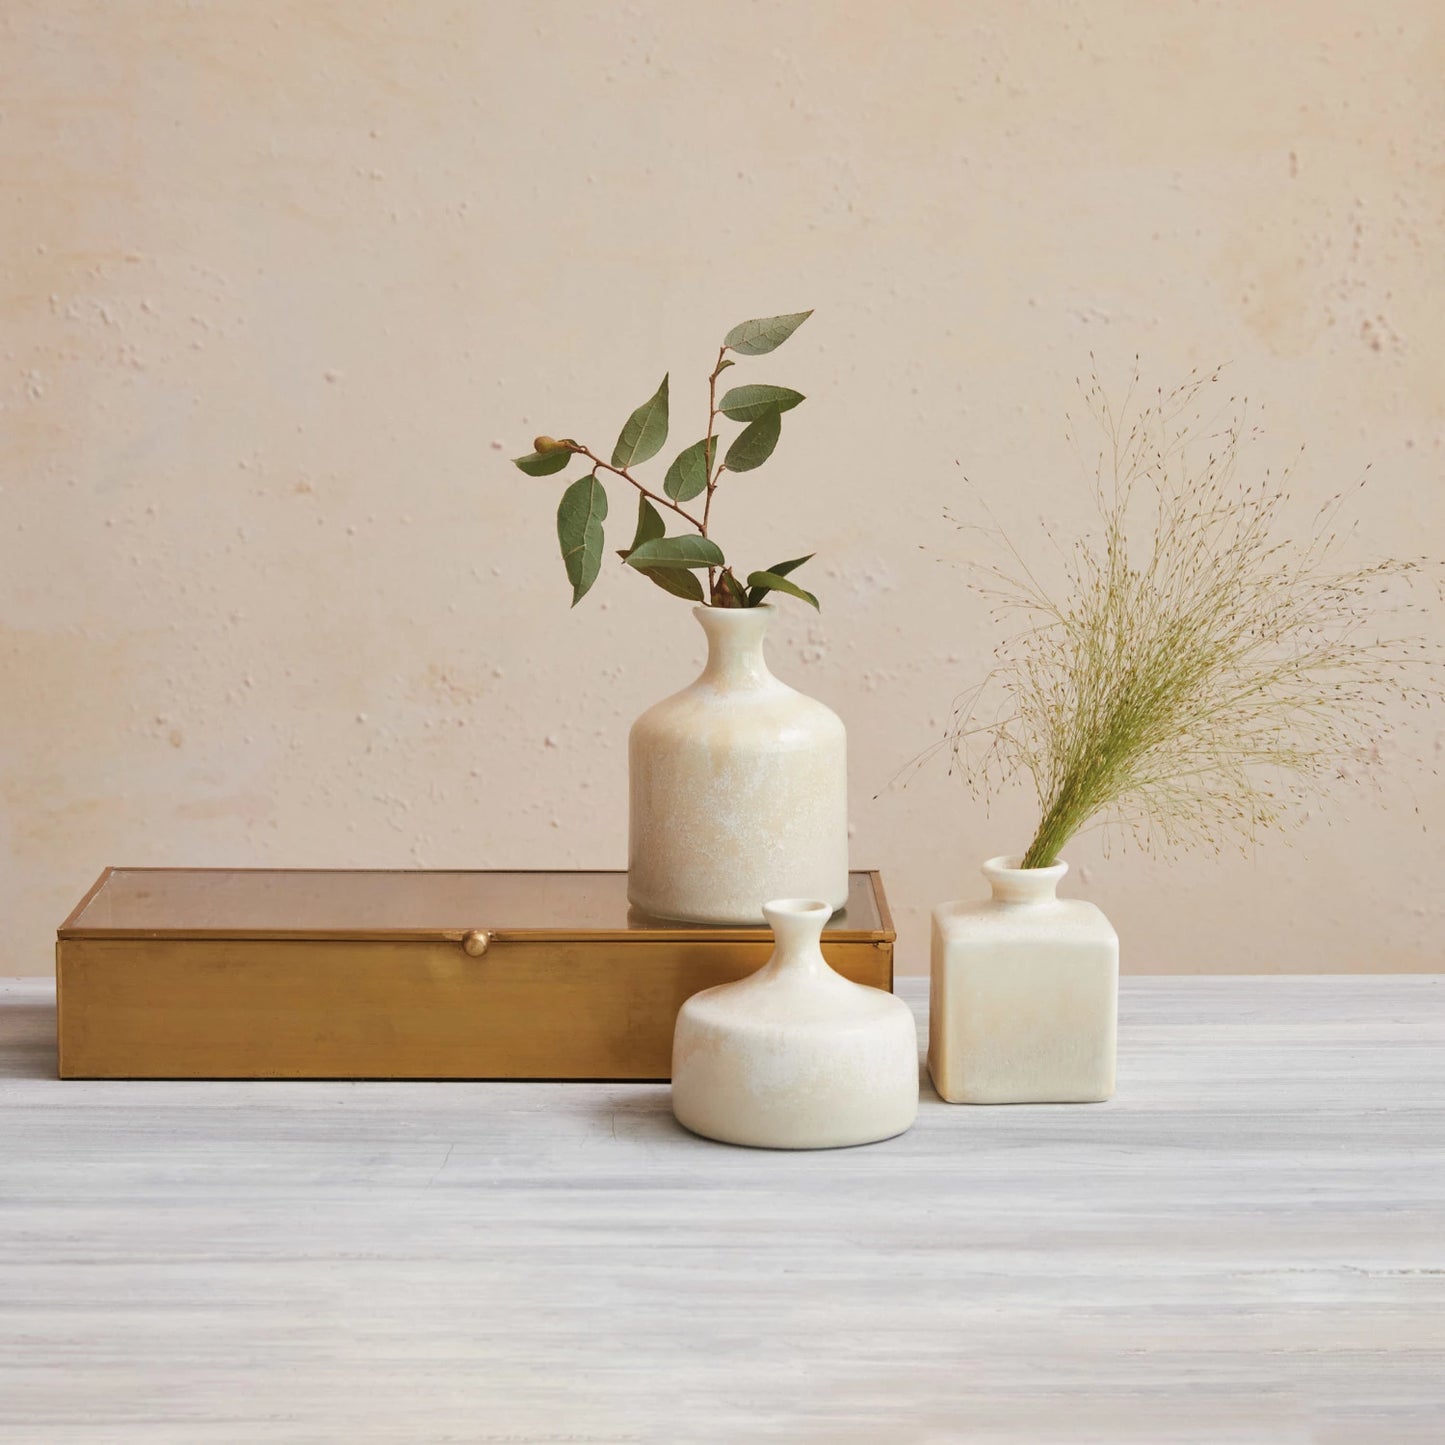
(1246, 1245)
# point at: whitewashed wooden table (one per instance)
(1248, 1244)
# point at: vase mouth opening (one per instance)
(704, 613)
(805, 908)
(1014, 863)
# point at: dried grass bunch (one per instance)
(1198, 673)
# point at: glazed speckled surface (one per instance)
(1024, 994)
(795, 1056)
(738, 787)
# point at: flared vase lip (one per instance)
(702, 610)
(1013, 884)
(1012, 863)
(811, 908)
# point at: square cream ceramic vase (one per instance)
(1023, 1000)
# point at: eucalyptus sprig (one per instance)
(674, 562)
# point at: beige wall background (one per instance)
(285, 285)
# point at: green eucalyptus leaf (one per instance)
(723, 365)
(688, 474)
(677, 580)
(689, 550)
(579, 530)
(761, 583)
(650, 526)
(754, 444)
(645, 432)
(781, 569)
(543, 464)
(767, 333)
(778, 569)
(748, 403)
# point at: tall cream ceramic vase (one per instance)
(1024, 994)
(739, 788)
(795, 1056)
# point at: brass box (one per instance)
(196, 973)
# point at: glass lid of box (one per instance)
(261, 902)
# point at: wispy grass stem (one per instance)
(1198, 671)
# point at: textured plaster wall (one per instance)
(284, 285)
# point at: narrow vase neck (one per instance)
(1013, 884)
(797, 925)
(735, 645)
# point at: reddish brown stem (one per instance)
(707, 455)
(628, 477)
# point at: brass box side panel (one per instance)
(253, 1009)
